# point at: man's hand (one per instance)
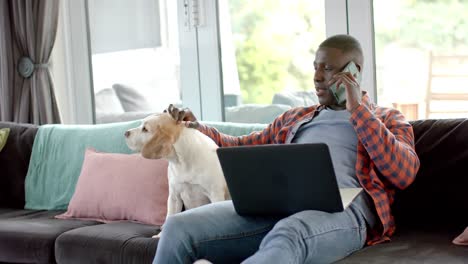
(353, 90)
(183, 116)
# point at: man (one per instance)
(371, 147)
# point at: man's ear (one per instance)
(159, 146)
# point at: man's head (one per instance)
(332, 56)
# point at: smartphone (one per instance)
(340, 92)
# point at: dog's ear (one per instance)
(160, 145)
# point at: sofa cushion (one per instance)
(106, 101)
(429, 246)
(57, 157)
(114, 186)
(131, 99)
(15, 161)
(296, 98)
(28, 236)
(438, 194)
(10, 213)
(120, 242)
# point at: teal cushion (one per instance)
(57, 157)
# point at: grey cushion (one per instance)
(106, 101)
(28, 236)
(131, 99)
(296, 98)
(119, 242)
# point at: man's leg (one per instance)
(312, 237)
(214, 231)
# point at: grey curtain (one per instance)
(28, 34)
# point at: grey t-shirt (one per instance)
(334, 129)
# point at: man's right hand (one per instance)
(183, 115)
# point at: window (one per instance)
(135, 57)
(224, 59)
(422, 57)
(268, 50)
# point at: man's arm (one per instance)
(255, 138)
(390, 144)
(265, 136)
(274, 133)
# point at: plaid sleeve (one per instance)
(255, 138)
(389, 143)
(274, 133)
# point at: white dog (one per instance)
(195, 176)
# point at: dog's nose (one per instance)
(127, 133)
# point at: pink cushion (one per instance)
(115, 187)
(462, 239)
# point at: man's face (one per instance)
(328, 61)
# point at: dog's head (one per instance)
(155, 137)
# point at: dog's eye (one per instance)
(144, 129)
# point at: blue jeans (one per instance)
(217, 233)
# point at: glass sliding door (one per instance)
(135, 57)
(267, 53)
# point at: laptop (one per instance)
(283, 179)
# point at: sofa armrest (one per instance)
(14, 162)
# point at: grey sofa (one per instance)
(35, 236)
(429, 214)
(434, 209)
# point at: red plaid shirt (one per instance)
(386, 157)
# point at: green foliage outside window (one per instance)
(276, 40)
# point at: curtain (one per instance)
(30, 28)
